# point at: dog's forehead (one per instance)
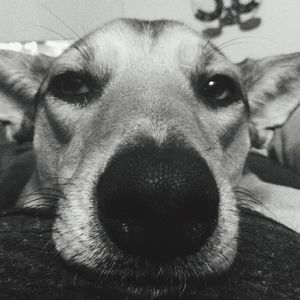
(129, 41)
(147, 37)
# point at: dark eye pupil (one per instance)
(217, 89)
(71, 85)
(220, 88)
(68, 85)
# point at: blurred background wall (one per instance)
(41, 20)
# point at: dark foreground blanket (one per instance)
(267, 266)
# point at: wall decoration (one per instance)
(227, 13)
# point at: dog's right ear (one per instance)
(20, 78)
(273, 90)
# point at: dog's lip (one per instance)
(146, 287)
(142, 277)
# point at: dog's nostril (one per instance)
(158, 202)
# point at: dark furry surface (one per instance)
(267, 266)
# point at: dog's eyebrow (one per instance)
(80, 56)
(209, 61)
(80, 59)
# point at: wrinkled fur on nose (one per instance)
(158, 201)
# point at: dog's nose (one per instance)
(159, 202)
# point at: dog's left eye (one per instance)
(221, 89)
(69, 84)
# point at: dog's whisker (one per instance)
(53, 31)
(43, 192)
(250, 196)
(36, 201)
(58, 18)
(251, 204)
(235, 44)
(234, 40)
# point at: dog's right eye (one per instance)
(68, 85)
(221, 90)
(218, 90)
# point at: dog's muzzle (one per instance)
(158, 201)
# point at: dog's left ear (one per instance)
(273, 89)
(20, 78)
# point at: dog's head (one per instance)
(143, 129)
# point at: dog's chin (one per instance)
(123, 276)
(140, 278)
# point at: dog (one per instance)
(141, 131)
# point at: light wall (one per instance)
(26, 20)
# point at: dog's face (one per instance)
(143, 129)
(138, 119)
